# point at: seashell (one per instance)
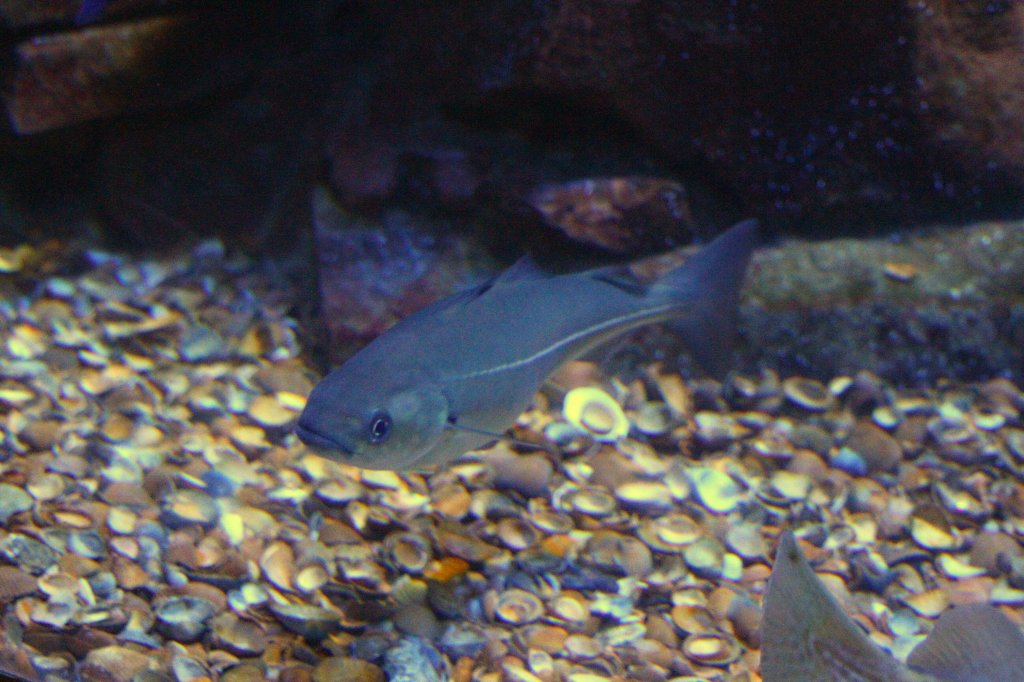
(876, 447)
(705, 557)
(188, 669)
(953, 567)
(582, 647)
(670, 532)
(189, 506)
(15, 583)
(989, 421)
(516, 533)
(673, 391)
(791, 485)
(418, 620)
(772, 445)
(249, 439)
(462, 640)
(268, 412)
(118, 662)
(652, 497)
(241, 637)
(929, 603)
(490, 504)
(1014, 438)
(570, 608)
(183, 618)
(807, 393)
(717, 490)
(622, 635)
(1004, 593)
(930, 529)
(87, 543)
(545, 638)
(41, 434)
(306, 620)
(466, 547)
(886, 417)
(746, 540)
(347, 669)
(566, 436)
(618, 553)
(711, 648)
(277, 562)
(592, 502)
(653, 418)
(16, 395)
(518, 607)
(311, 578)
(339, 491)
(451, 500)
(850, 461)
(716, 430)
(13, 500)
(992, 549)
(960, 502)
(596, 412)
(692, 618)
(408, 552)
(548, 520)
(526, 474)
(381, 478)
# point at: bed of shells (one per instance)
(159, 520)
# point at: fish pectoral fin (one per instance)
(453, 423)
(974, 642)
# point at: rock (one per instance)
(970, 66)
(112, 69)
(372, 274)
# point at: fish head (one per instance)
(374, 424)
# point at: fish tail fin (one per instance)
(975, 643)
(710, 284)
(806, 636)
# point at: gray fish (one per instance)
(806, 637)
(455, 375)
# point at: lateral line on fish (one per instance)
(644, 314)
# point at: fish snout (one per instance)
(316, 440)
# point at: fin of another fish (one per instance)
(974, 643)
(806, 636)
(710, 282)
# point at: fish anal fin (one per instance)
(972, 643)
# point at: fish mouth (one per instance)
(318, 441)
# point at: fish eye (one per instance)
(379, 427)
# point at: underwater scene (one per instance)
(546, 341)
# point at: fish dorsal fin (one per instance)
(621, 277)
(805, 635)
(972, 643)
(523, 269)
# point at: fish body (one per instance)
(806, 637)
(449, 377)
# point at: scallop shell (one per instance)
(596, 412)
